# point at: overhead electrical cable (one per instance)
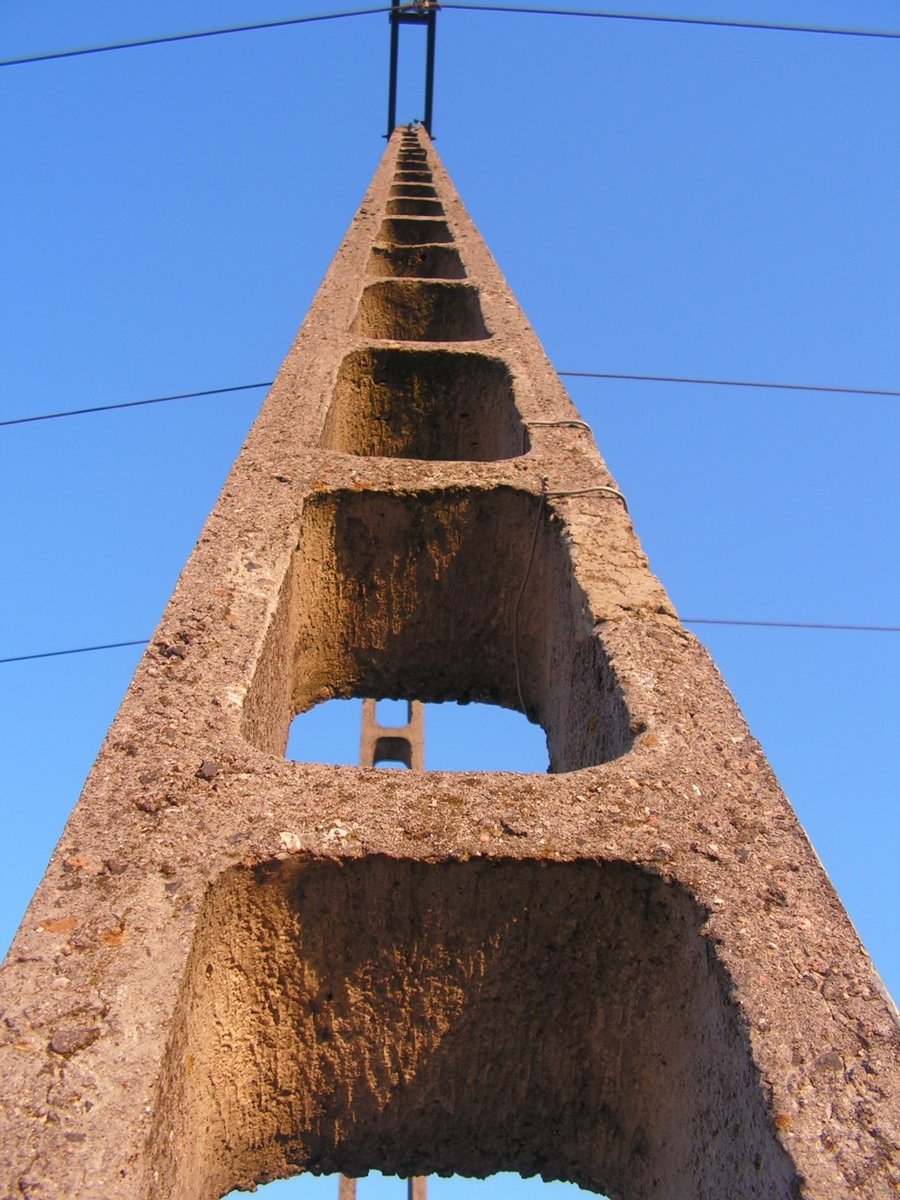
(165, 38)
(839, 628)
(76, 650)
(743, 383)
(606, 15)
(608, 375)
(714, 22)
(80, 412)
(791, 625)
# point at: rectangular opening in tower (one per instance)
(424, 404)
(414, 206)
(413, 231)
(413, 189)
(563, 1018)
(416, 262)
(405, 310)
(420, 594)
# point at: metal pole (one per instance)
(429, 70)
(392, 83)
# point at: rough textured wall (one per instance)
(631, 972)
(568, 1018)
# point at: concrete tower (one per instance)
(632, 972)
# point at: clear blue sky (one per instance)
(662, 199)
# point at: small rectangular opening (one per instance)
(427, 404)
(416, 262)
(413, 231)
(393, 749)
(413, 189)
(407, 310)
(414, 206)
(392, 714)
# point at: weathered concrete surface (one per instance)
(632, 972)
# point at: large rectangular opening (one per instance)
(460, 594)
(424, 404)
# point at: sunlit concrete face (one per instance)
(630, 972)
(401, 402)
(422, 262)
(421, 594)
(416, 1018)
(405, 310)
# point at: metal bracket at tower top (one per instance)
(421, 12)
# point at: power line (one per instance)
(613, 375)
(79, 412)
(744, 383)
(791, 624)
(165, 38)
(76, 650)
(684, 620)
(710, 22)
(714, 22)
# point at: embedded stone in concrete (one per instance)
(404, 310)
(425, 404)
(419, 262)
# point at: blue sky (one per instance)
(663, 200)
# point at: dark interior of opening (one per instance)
(563, 1018)
(412, 189)
(414, 206)
(424, 404)
(413, 231)
(392, 750)
(420, 311)
(416, 262)
(418, 594)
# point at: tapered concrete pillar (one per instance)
(403, 743)
(631, 972)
